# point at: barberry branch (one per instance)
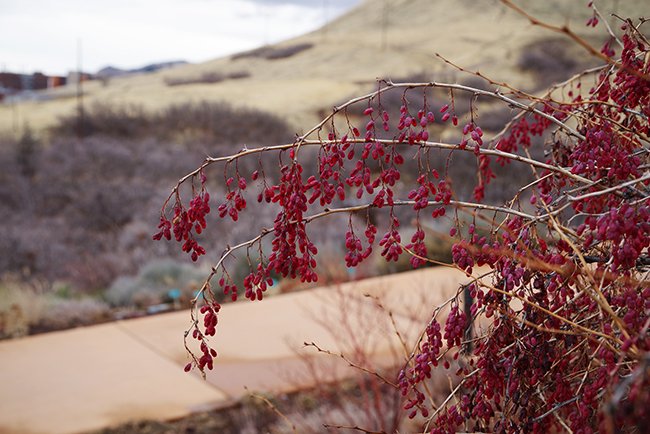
(565, 300)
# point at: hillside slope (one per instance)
(380, 38)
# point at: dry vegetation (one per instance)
(320, 410)
(273, 53)
(78, 211)
(298, 78)
(207, 78)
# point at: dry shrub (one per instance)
(19, 307)
(153, 283)
(96, 272)
(82, 210)
(221, 123)
(309, 411)
(273, 53)
(25, 311)
(116, 121)
(551, 60)
(436, 98)
(64, 314)
(494, 120)
(203, 121)
(206, 78)
(65, 221)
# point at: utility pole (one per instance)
(467, 308)
(384, 26)
(326, 18)
(80, 102)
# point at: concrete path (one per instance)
(89, 378)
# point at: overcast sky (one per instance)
(41, 35)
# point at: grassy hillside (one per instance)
(300, 77)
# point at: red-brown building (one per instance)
(12, 83)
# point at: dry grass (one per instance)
(24, 310)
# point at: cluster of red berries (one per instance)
(210, 320)
(355, 252)
(425, 361)
(185, 223)
(392, 243)
(235, 202)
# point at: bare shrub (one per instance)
(220, 123)
(64, 314)
(494, 120)
(116, 121)
(19, 308)
(551, 60)
(273, 53)
(201, 121)
(95, 272)
(81, 210)
(291, 50)
(26, 150)
(206, 78)
(64, 222)
(237, 75)
(24, 311)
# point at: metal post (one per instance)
(467, 307)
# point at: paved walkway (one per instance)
(89, 378)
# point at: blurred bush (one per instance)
(206, 120)
(24, 311)
(206, 78)
(220, 123)
(84, 210)
(495, 119)
(62, 314)
(153, 284)
(552, 60)
(273, 53)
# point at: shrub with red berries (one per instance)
(563, 299)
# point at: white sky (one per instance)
(41, 35)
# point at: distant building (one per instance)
(38, 81)
(56, 81)
(73, 77)
(12, 83)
